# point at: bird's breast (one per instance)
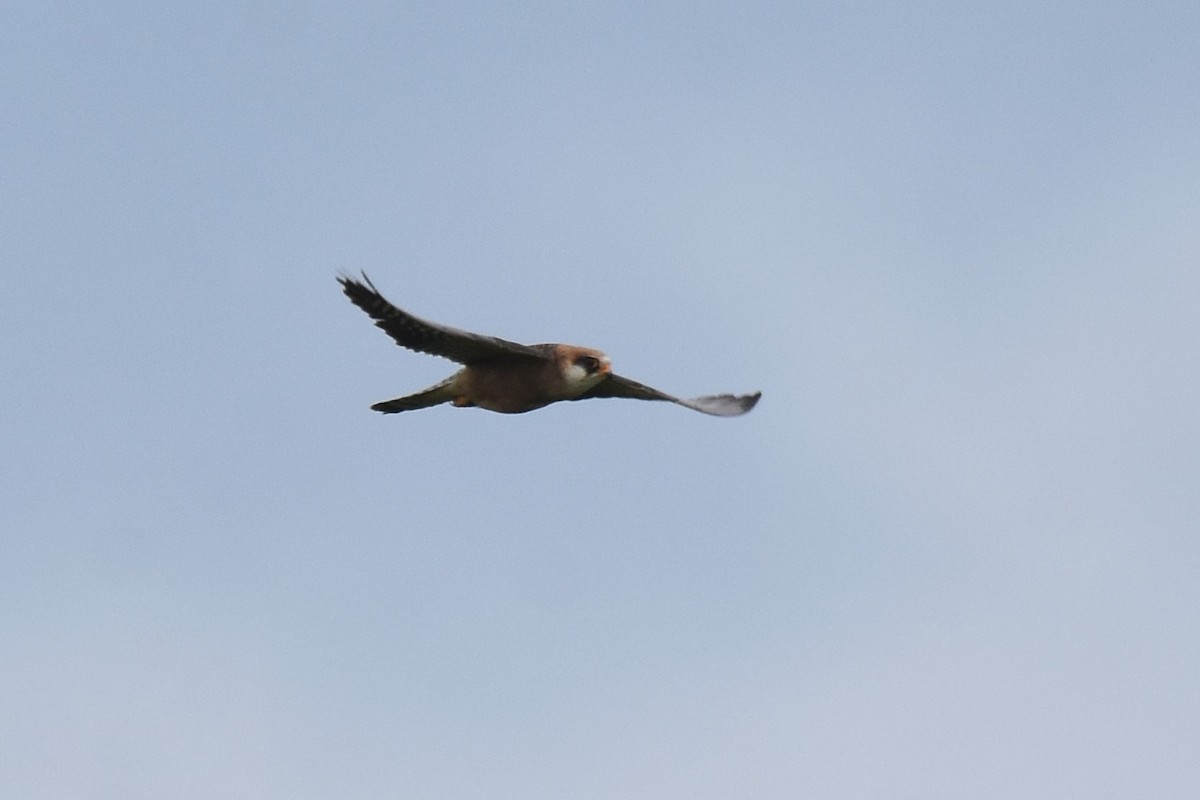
(509, 388)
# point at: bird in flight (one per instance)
(508, 377)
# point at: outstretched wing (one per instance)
(719, 405)
(429, 337)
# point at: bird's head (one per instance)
(582, 368)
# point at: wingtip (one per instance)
(723, 405)
(746, 402)
(347, 281)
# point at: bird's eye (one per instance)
(589, 363)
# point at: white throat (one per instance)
(578, 380)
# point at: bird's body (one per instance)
(508, 385)
(507, 377)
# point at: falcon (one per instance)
(512, 378)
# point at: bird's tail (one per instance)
(435, 395)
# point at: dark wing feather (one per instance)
(719, 405)
(430, 337)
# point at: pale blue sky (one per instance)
(953, 553)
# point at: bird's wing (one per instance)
(430, 337)
(719, 405)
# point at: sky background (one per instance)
(953, 553)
